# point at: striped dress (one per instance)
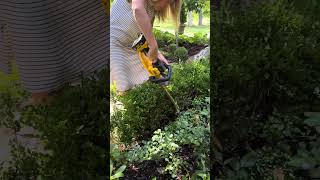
(125, 67)
(53, 42)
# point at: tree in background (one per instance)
(199, 6)
(183, 18)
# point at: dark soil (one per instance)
(146, 171)
(193, 50)
(149, 169)
(186, 153)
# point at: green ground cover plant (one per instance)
(174, 149)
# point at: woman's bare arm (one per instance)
(145, 24)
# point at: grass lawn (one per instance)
(189, 31)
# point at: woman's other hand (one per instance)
(162, 58)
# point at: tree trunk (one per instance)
(200, 17)
(190, 18)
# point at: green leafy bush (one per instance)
(190, 128)
(307, 158)
(172, 48)
(165, 39)
(265, 56)
(73, 129)
(267, 76)
(290, 145)
(25, 164)
(308, 8)
(261, 66)
(119, 172)
(190, 80)
(199, 39)
(147, 108)
(169, 52)
(183, 14)
(181, 54)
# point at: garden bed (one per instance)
(193, 50)
(152, 168)
(174, 154)
(177, 147)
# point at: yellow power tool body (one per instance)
(159, 72)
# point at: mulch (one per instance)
(193, 50)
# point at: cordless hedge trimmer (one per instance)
(159, 72)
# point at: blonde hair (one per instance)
(173, 10)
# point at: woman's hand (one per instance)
(162, 58)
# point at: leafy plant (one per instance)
(181, 54)
(144, 112)
(191, 128)
(201, 175)
(165, 39)
(118, 174)
(183, 14)
(199, 39)
(307, 158)
(190, 80)
(172, 48)
(74, 133)
(267, 76)
(25, 164)
(314, 120)
(169, 52)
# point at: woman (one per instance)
(128, 20)
(53, 42)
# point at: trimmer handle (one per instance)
(141, 45)
(162, 68)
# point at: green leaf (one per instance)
(249, 159)
(111, 167)
(302, 163)
(313, 121)
(202, 175)
(227, 161)
(117, 175)
(318, 129)
(312, 114)
(121, 169)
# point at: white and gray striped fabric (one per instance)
(125, 67)
(53, 41)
